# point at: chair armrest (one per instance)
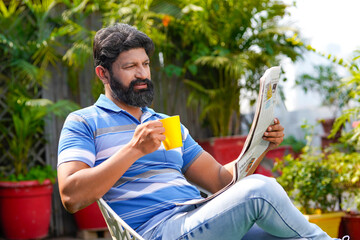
(118, 228)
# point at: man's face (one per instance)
(130, 78)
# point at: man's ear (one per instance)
(103, 74)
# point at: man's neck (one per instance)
(134, 111)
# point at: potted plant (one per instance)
(344, 156)
(25, 185)
(314, 185)
(347, 164)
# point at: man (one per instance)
(113, 150)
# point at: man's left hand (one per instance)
(274, 134)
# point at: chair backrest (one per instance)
(119, 230)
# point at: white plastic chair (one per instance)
(118, 229)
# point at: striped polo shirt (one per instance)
(153, 184)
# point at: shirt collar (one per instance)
(147, 113)
(104, 102)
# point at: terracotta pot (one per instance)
(25, 209)
(326, 142)
(327, 125)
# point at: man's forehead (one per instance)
(133, 55)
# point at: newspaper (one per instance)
(254, 145)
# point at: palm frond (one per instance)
(11, 10)
(213, 61)
(78, 54)
(168, 7)
(25, 70)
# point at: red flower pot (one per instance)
(350, 225)
(224, 149)
(90, 218)
(25, 209)
(279, 152)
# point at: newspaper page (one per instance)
(254, 145)
(264, 117)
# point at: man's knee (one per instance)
(256, 184)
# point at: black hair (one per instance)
(109, 42)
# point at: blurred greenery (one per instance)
(310, 179)
(351, 114)
(301, 176)
(39, 173)
(36, 38)
(296, 144)
(335, 171)
(37, 34)
(25, 128)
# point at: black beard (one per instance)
(140, 98)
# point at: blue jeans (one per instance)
(254, 199)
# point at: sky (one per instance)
(330, 26)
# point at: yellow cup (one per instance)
(172, 132)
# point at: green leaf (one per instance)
(171, 70)
(193, 69)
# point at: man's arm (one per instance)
(81, 185)
(212, 176)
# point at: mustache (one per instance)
(141, 81)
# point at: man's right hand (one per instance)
(148, 137)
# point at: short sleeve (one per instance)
(76, 141)
(191, 149)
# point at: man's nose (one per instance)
(141, 73)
